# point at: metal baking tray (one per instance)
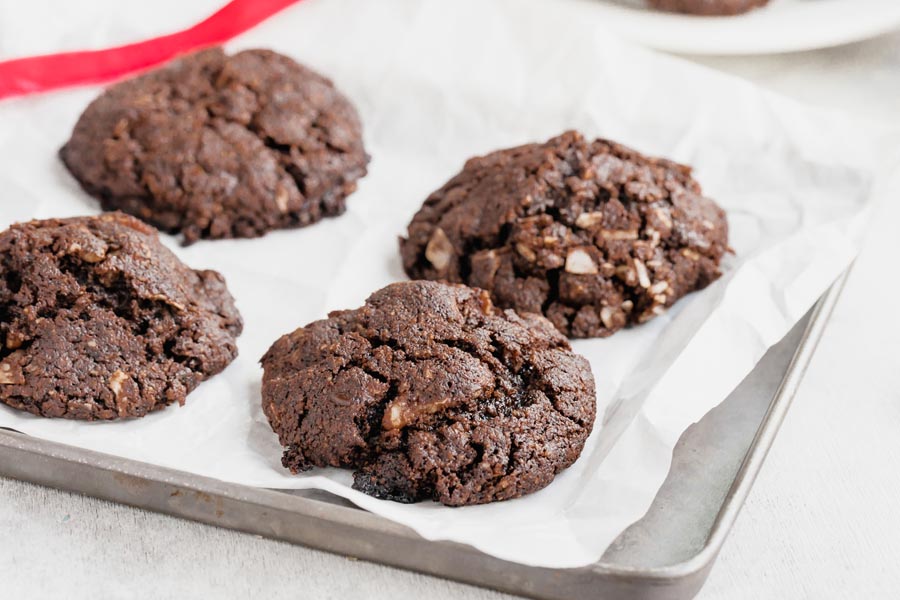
(667, 554)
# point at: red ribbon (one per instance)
(52, 71)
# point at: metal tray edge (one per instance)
(762, 442)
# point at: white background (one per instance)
(820, 522)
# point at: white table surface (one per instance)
(821, 522)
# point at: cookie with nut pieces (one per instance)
(216, 146)
(591, 234)
(430, 392)
(99, 321)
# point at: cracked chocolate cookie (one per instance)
(216, 146)
(98, 320)
(707, 7)
(593, 235)
(430, 392)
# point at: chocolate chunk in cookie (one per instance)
(707, 7)
(592, 234)
(217, 146)
(98, 320)
(430, 392)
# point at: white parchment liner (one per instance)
(435, 83)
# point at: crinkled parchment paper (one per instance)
(435, 83)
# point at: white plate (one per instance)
(782, 26)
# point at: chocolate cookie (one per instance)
(707, 7)
(430, 392)
(98, 320)
(217, 146)
(592, 234)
